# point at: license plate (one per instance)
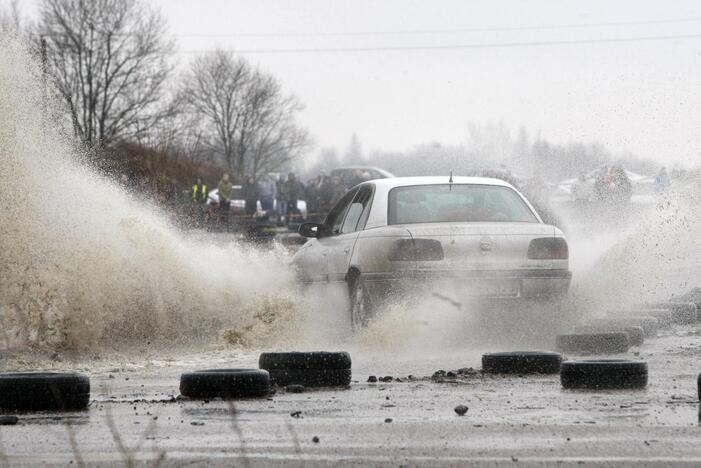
(497, 288)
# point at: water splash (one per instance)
(656, 261)
(83, 263)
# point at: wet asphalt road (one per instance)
(135, 419)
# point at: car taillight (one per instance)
(422, 250)
(548, 248)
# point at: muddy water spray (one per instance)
(656, 260)
(82, 263)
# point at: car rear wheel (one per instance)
(361, 309)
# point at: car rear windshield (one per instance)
(457, 203)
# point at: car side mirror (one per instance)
(311, 230)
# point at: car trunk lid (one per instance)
(481, 246)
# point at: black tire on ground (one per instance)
(305, 360)
(685, 316)
(663, 316)
(692, 296)
(521, 362)
(44, 391)
(312, 378)
(636, 335)
(225, 383)
(683, 313)
(593, 343)
(650, 325)
(603, 374)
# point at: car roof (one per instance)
(378, 212)
(390, 183)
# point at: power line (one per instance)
(492, 45)
(448, 31)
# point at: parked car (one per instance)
(353, 175)
(394, 235)
(605, 181)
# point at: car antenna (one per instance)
(450, 181)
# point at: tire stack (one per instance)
(308, 369)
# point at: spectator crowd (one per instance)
(273, 194)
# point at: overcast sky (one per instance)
(642, 96)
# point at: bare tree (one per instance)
(215, 89)
(10, 21)
(109, 61)
(276, 138)
(244, 115)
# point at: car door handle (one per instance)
(346, 250)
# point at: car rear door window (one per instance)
(335, 218)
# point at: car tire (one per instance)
(361, 307)
(593, 343)
(521, 362)
(225, 383)
(603, 374)
(44, 391)
(310, 369)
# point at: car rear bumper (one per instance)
(477, 283)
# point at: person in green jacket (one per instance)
(199, 197)
(199, 192)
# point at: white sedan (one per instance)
(391, 236)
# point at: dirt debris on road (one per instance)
(530, 418)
